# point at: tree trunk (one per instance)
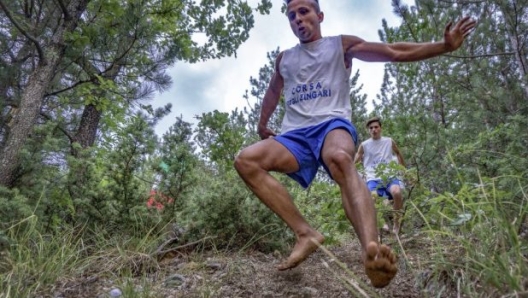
(87, 130)
(31, 101)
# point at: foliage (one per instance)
(221, 136)
(223, 207)
(259, 86)
(35, 261)
(358, 101)
(457, 123)
(93, 72)
(13, 207)
(35, 264)
(110, 191)
(321, 204)
(486, 225)
(176, 166)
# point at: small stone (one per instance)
(175, 280)
(115, 292)
(214, 266)
(311, 292)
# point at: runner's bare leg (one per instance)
(254, 164)
(338, 154)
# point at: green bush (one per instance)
(223, 207)
(13, 207)
(321, 205)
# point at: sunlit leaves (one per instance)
(221, 136)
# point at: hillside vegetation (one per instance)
(79, 159)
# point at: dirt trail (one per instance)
(253, 274)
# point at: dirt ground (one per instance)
(252, 274)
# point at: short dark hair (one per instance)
(317, 7)
(288, 1)
(372, 120)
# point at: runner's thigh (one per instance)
(271, 156)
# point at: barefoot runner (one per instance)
(373, 152)
(314, 76)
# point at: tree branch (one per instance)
(400, 10)
(26, 34)
(160, 251)
(68, 88)
(67, 133)
(462, 2)
(480, 56)
(67, 15)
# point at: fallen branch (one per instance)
(161, 252)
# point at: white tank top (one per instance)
(316, 83)
(375, 153)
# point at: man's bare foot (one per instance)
(304, 246)
(380, 264)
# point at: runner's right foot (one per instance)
(304, 246)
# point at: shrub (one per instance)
(226, 209)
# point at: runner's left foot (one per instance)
(380, 264)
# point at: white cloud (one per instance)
(220, 84)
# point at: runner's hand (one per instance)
(265, 132)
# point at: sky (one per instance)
(220, 84)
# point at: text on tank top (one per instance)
(316, 83)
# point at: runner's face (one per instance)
(374, 130)
(304, 20)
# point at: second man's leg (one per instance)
(397, 198)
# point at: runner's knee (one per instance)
(395, 191)
(338, 162)
(243, 162)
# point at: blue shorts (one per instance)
(383, 190)
(306, 144)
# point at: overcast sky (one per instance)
(220, 84)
